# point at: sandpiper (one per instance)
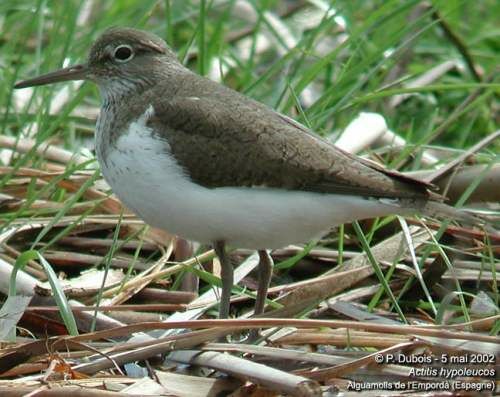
(207, 163)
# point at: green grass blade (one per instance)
(377, 270)
(59, 296)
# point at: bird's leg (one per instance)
(226, 276)
(265, 269)
(184, 250)
(265, 274)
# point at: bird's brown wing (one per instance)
(368, 163)
(243, 143)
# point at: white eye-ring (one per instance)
(123, 53)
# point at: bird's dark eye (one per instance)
(123, 53)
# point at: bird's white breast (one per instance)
(145, 175)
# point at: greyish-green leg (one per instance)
(265, 270)
(265, 273)
(227, 276)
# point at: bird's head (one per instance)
(119, 60)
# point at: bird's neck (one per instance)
(120, 106)
(126, 99)
(118, 90)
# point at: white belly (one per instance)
(146, 177)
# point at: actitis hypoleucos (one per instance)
(207, 163)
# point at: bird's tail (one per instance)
(437, 209)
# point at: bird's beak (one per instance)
(76, 72)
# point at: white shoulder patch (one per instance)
(143, 119)
(389, 201)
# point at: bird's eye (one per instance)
(123, 53)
